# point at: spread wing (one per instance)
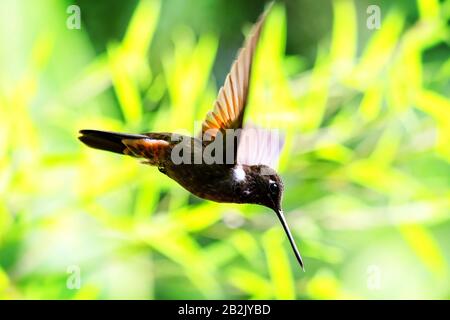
(231, 101)
(259, 146)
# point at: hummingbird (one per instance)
(244, 155)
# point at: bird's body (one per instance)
(219, 182)
(227, 162)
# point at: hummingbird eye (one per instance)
(273, 188)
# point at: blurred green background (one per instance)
(366, 163)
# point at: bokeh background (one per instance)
(366, 163)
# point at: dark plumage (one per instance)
(247, 178)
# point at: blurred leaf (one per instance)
(87, 292)
(278, 263)
(5, 221)
(324, 285)
(195, 219)
(246, 245)
(184, 250)
(426, 248)
(4, 282)
(378, 51)
(141, 28)
(334, 152)
(126, 89)
(439, 108)
(428, 9)
(387, 147)
(344, 35)
(371, 103)
(251, 283)
(186, 72)
(219, 253)
(313, 104)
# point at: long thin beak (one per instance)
(280, 215)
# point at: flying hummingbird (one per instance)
(244, 156)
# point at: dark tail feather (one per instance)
(105, 140)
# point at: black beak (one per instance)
(280, 215)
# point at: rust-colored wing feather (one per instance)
(154, 147)
(154, 151)
(230, 104)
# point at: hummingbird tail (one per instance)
(108, 141)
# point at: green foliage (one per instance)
(366, 162)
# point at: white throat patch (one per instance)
(239, 173)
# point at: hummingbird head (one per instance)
(269, 187)
(260, 184)
(264, 186)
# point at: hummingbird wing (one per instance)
(231, 101)
(259, 146)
